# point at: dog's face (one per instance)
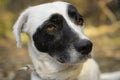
(55, 29)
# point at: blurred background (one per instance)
(102, 20)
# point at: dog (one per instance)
(57, 45)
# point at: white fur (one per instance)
(90, 71)
(18, 26)
(110, 76)
(45, 66)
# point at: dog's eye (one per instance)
(80, 21)
(51, 28)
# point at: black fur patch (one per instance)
(74, 15)
(56, 41)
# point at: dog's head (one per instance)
(55, 29)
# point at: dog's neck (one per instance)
(48, 68)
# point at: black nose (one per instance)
(84, 46)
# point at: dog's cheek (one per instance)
(42, 40)
(39, 44)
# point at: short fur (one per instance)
(60, 54)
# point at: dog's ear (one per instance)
(19, 25)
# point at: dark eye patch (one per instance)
(53, 40)
(74, 15)
(48, 33)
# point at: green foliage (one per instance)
(2, 2)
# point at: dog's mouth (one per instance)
(74, 60)
(84, 58)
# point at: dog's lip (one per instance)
(81, 59)
(89, 56)
(61, 61)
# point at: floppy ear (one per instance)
(17, 28)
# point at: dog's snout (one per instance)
(84, 47)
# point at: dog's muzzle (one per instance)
(81, 51)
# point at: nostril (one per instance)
(84, 47)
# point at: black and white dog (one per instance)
(57, 45)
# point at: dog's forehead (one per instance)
(39, 14)
(49, 8)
